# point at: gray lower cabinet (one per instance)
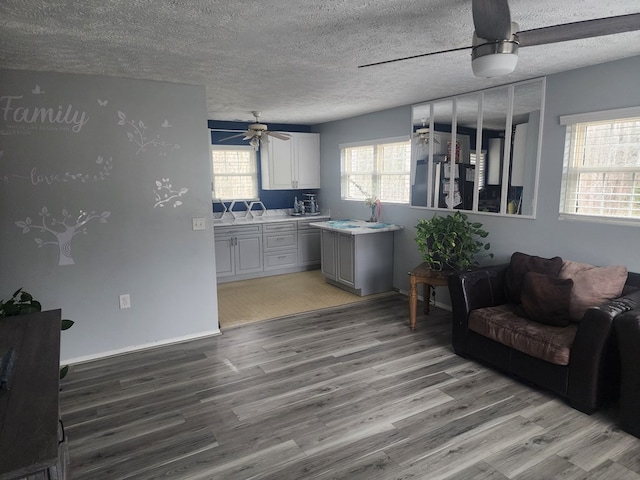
(329, 251)
(346, 268)
(262, 249)
(280, 245)
(361, 264)
(308, 244)
(238, 250)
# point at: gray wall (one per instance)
(602, 87)
(135, 156)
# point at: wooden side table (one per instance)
(422, 274)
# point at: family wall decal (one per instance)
(23, 116)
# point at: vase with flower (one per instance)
(371, 202)
(374, 205)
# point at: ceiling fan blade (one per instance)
(414, 56)
(492, 19)
(577, 30)
(232, 136)
(281, 136)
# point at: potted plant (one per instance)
(23, 303)
(451, 242)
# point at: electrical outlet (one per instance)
(199, 224)
(125, 301)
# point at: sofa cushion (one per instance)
(502, 324)
(520, 265)
(592, 286)
(546, 299)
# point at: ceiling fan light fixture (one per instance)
(494, 59)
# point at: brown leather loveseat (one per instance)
(547, 321)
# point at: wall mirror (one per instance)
(479, 152)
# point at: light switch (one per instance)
(199, 224)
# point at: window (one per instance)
(235, 173)
(481, 165)
(378, 170)
(601, 174)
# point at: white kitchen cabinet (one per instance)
(291, 164)
(238, 250)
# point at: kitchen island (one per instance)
(357, 256)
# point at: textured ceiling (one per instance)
(296, 61)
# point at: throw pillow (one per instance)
(520, 264)
(546, 299)
(592, 286)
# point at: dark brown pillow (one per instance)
(546, 299)
(520, 265)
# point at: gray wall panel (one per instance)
(139, 138)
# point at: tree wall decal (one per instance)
(62, 231)
(165, 193)
(138, 135)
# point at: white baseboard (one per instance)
(134, 348)
(441, 305)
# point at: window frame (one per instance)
(570, 173)
(377, 172)
(254, 173)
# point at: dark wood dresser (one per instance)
(32, 443)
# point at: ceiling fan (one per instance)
(257, 133)
(422, 133)
(496, 38)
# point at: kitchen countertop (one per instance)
(276, 216)
(356, 227)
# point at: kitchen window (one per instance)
(235, 172)
(376, 170)
(601, 172)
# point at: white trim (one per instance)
(629, 221)
(379, 141)
(618, 113)
(218, 146)
(536, 185)
(135, 348)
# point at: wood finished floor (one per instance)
(346, 393)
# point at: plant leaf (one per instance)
(66, 324)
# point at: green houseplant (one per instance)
(451, 242)
(23, 303)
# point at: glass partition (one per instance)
(479, 152)
(495, 116)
